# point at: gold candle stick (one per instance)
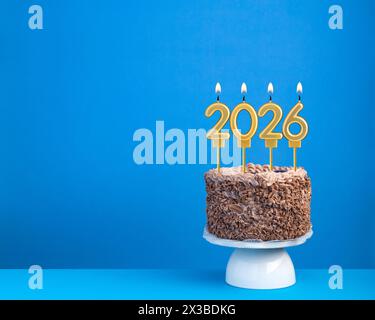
(293, 117)
(244, 140)
(271, 138)
(218, 138)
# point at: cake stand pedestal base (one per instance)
(259, 264)
(260, 269)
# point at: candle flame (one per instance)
(299, 88)
(243, 88)
(218, 88)
(270, 88)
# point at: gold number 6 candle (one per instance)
(244, 140)
(292, 117)
(218, 138)
(267, 134)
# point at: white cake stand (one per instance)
(259, 264)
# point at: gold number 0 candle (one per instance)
(292, 117)
(218, 138)
(244, 140)
(267, 134)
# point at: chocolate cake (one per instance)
(259, 204)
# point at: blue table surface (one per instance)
(176, 284)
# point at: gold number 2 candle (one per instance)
(218, 138)
(244, 140)
(267, 134)
(293, 117)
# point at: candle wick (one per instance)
(218, 98)
(299, 98)
(243, 98)
(270, 98)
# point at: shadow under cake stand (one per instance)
(259, 264)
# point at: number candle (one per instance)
(293, 117)
(267, 134)
(244, 140)
(218, 138)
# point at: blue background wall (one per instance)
(73, 94)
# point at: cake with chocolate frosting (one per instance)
(259, 204)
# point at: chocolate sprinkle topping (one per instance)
(260, 204)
